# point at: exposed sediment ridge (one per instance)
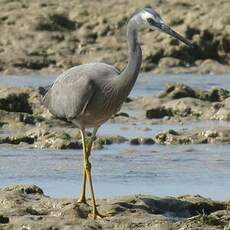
(26, 206)
(25, 123)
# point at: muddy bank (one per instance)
(179, 102)
(44, 138)
(26, 206)
(50, 36)
(194, 136)
(24, 122)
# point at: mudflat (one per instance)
(51, 36)
(27, 207)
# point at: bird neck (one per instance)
(129, 75)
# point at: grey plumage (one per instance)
(88, 95)
(83, 94)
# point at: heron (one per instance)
(88, 95)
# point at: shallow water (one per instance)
(153, 85)
(147, 84)
(121, 169)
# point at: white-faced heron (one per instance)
(88, 95)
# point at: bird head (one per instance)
(151, 19)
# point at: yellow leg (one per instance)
(95, 213)
(86, 151)
(87, 174)
(82, 198)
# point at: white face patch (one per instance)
(145, 15)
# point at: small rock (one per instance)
(135, 141)
(159, 112)
(218, 94)
(176, 91)
(27, 189)
(147, 141)
(4, 219)
(173, 132)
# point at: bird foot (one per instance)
(96, 215)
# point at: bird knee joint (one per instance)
(87, 165)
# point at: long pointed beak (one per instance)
(166, 29)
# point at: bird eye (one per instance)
(150, 21)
